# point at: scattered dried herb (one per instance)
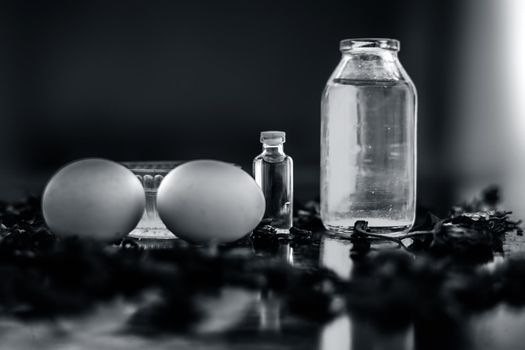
(472, 232)
(438, 275)
(307, 216)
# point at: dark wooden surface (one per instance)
(243, 319)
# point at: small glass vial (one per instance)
(273, 172)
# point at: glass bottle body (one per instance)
(273, 171)
(368, 142)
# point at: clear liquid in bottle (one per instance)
(368, 140)
(368, 157)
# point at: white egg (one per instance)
(208, 200)
(95, 198)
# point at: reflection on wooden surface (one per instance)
(335, 255)
(239, 318)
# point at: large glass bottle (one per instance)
(368, 140)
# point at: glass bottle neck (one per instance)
(273, 150)
(369, 64)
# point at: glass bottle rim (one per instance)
(273, 137)
(369, 43)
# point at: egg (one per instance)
(207, 200)
(94, 198)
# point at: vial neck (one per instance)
(273, 150)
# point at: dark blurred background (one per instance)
(161, 80)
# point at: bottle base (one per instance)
(399, 230)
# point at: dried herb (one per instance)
(471, 233)
(435, 276)
(308, 216)
(265, 237)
